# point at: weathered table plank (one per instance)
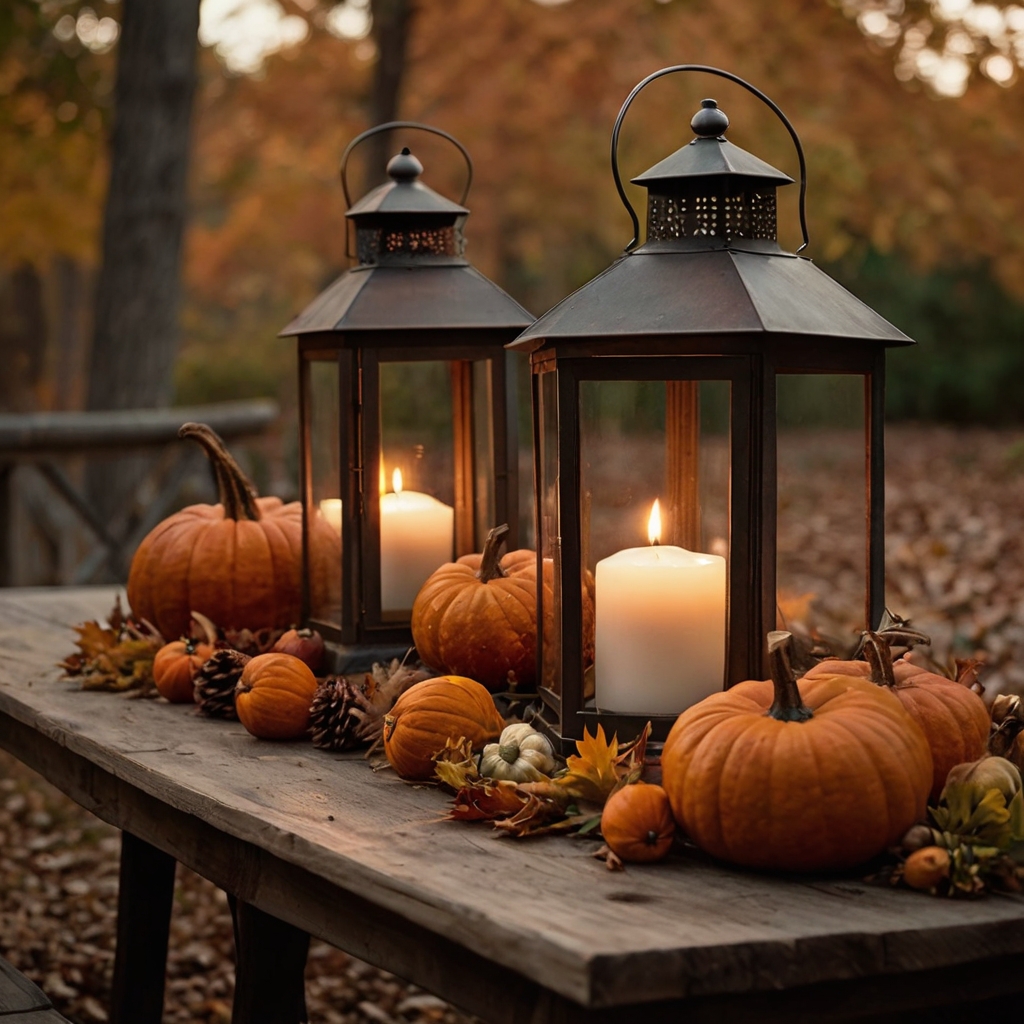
(511, 930)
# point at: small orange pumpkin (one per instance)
(239, 562)
(954, 718)
(477, 617)
(820, 776)
(174, 666)
(637, 822)
(273, 696)
(430, 713)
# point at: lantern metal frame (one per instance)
(701, 307)
(417, 299)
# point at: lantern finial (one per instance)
(404, 166)
(709, 122)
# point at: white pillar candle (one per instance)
(330, 509)
(416, 537)
(660, 629)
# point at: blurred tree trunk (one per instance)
(391, 22)
(135, 333)
(22, 339)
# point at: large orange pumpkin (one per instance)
(954, 718)
(238, 562)
(273, 696)
(819, 776)
(477, 617)
(174, 666)
(637, 822)
(430, 713)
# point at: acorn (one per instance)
(925, 868)
(305, 644)
(916, 838)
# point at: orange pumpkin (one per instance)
(273, 696)
(954, 718)
(637, 822)
(238, 562)
(174, 666)
(477, 617)
(430, 713)
(819, 776)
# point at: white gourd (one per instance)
(521, 755)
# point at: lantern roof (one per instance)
(404, 193)
(395, 298)
(711, 154)
(713, 294)
(412, 274)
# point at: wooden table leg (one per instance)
(143, 923)
(270, 965)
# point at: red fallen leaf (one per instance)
(486, 800)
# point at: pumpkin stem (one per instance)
(509, 752)
(788, 705)
(490, 562)
(879, 657)
(237, 494)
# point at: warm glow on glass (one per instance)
(383, 479)
(654, 524)
(396, 481)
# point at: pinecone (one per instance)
(340, 715)
(215, 682)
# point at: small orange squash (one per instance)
(273, 696)
(637, 822)
(820, 776)
(430, 713)
(477, 617)
(174, 666)
(238, 562)
(954, 718)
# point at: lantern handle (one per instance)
(732, 78)
(391, 126)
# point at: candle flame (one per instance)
(396, 481)
(654, 523)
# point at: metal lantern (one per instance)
(659, 388)
(407, 406)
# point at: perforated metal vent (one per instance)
(378, 245)
(746, 214)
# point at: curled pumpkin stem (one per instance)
(788, 705)
(236, 492)
(879, 658)
(490, 561)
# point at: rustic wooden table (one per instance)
(514, 931)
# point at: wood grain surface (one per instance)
(507, 928)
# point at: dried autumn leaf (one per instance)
(455, 765)
(592, 772)
(117, 657)
(486, 800)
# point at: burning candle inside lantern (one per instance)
(330, 509)
(660, 627)
(416, 537)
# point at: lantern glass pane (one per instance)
(325, 476)
(417, 479)
(660, 573)
(483, 447)
(822, 560)
(548, 528)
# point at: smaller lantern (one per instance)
(657, 388)
(407, 405)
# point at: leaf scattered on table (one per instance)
(116, 657)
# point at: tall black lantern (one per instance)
(407, 406)
(661, 394)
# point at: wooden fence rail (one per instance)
(46, 441)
